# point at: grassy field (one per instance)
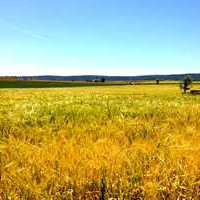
(54, 84)
(114, 142)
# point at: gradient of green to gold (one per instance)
(106, 37)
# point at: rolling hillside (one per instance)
(114, 78)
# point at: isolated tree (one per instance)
(187, 82)
(157, 81)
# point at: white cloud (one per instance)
(23, 30)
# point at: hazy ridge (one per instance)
(116, 78)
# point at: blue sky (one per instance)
(108, 37)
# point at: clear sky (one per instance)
(105, 37)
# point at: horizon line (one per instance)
(51, 75)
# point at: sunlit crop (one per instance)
(114, 142)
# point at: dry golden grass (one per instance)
(120, 142)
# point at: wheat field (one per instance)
(114, 142)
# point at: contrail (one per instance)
(19, 28)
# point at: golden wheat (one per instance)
(120, 142)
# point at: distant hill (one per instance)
(174, 77)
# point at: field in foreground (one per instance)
(114, 142)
